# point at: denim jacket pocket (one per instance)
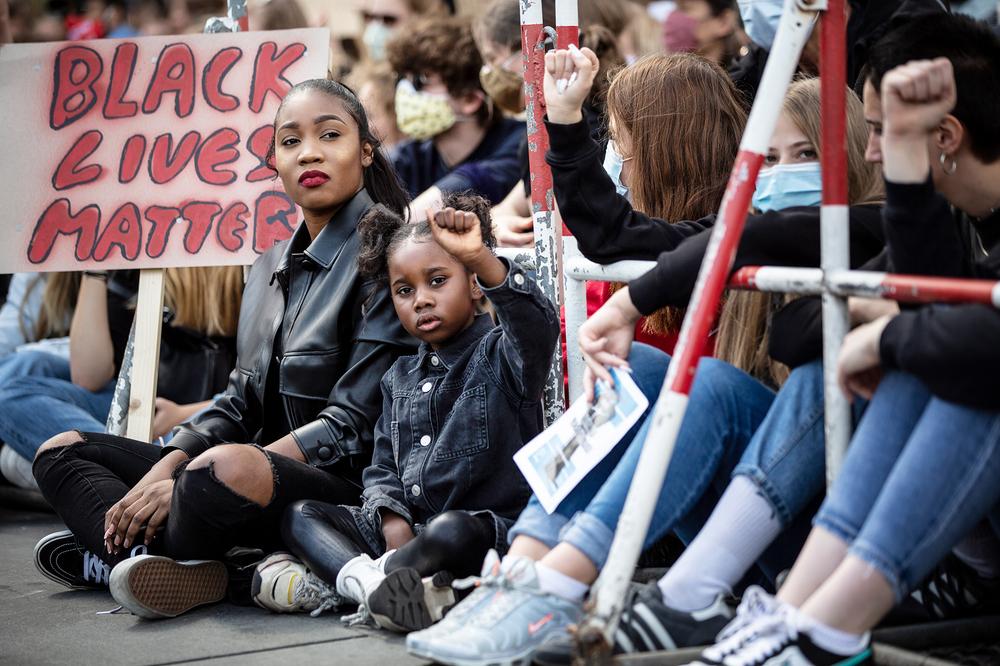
(465, 432)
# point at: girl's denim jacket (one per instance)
(452, 419)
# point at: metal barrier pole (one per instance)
(597, 628)
(575, 305)
(548, 238)
(834, 226)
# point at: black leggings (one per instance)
(83, 480)
(326, 538)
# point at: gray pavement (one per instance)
(42, 623)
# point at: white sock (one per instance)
(833, 640)
(557, 583)
(742, 526)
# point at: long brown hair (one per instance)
(205, 299)
(743, 324)
(684, 120)
(58, 303)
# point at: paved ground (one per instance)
(41, 623)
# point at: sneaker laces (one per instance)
(771, 638)
(311, 591)
(95, 569)
(754, 604)
(754, 639)
(498, 582)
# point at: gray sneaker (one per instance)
(506, 628)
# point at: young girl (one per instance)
(442, 488)
(296, 421)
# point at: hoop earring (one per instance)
(948, 170)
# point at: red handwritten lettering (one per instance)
(274, 220)
(124, 232)
(217, 150)
(175, 73)
(76, 70)
(59, 220)
(70, 173)
(231, 227)
(122, 68)
(165, 162)
(269, 70)
(215, 72)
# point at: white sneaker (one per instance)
(282, 584)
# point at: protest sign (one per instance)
(146, 153)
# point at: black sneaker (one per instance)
(61, 558)
(648, 625)
(774, 640)
(405, 602)
(955, 590)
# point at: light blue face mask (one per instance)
(613, 164)
(760, 20)
(786, 185)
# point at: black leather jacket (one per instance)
(335, 344)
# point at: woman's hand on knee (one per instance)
(147, 506)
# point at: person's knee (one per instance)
(451, 530)
(244, 469)
(61, 440)
(298, 521)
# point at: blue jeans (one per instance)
(38, 401)
(919, 475)
(725, 408)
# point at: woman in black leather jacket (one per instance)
(313, 342)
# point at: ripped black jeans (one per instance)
(83, 480)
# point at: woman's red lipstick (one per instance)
(313, 178)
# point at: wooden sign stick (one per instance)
(146, 354)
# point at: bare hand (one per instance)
(514, 231)
(863, 310)
(606, 339)
(168, 415)
(569, 75)
(917, 96)
(859, 363)
(396, 530)
(458, 232)
(146, 505)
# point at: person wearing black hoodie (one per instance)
(923, 469)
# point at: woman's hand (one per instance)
(143, 506)
(514, 231)
(142, 495)
(859, 368)
(569, 75)
(863, 310)
(396, 530)
(169, 414)
(606, 339)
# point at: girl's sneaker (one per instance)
(282, 584)
(155, 587)
(776, 640)
(405, 602)
(506, 628)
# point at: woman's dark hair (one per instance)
(380, 178)
(382, 231)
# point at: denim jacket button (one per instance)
(425, 440)
(415, 490)
(426, 387)
(324, 452)
(518, 279)
(435, 361)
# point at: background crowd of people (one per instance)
(345, 415)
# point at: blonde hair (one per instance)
(58, 302)
(745, 317)
(684, 120)
(205, 299)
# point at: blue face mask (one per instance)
(760, 20)
(613, 164)
(786, 185)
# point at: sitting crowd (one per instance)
(336, 430)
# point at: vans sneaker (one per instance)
(62, 559)
(154, 587)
